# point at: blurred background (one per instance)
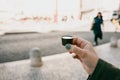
(25, 24)
(56, 10)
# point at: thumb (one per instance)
(75, 49)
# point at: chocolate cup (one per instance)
(66, 40)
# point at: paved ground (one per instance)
(56, 67)
(17, 46)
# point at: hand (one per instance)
(103, 27)
(91, 29)
(84, 52)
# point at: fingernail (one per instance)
(68, 46)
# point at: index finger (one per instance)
(80, 42)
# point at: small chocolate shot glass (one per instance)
(66, 39)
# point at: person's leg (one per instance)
(96, 39)
(100, 35)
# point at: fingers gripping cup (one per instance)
(66, 39)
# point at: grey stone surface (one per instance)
(110, 54)
(17, 46)
(56, 67)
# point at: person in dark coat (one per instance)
(96, 68)
(96, 27)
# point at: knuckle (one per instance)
(89, 43)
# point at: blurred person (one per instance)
(96, 27)
(96, 68)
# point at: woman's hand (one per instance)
(84, 52)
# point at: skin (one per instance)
(99, 15)
(85, 53)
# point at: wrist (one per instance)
(95, 62)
